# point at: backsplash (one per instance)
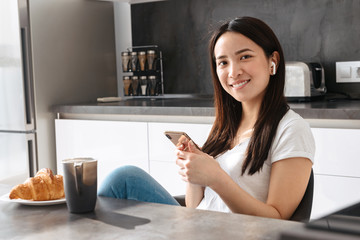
(323, 31)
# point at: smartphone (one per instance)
(178, 138)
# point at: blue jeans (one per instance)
(130, 182)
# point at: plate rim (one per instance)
(6, 198)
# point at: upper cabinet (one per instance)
(133, 1)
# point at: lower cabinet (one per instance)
(143, 144)
(112, 143)
(332, 193)
(166, 173)
(336, 170)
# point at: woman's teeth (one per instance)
(240, 84)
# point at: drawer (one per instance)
(337, 151)
(333, 193)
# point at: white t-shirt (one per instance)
(293, 139)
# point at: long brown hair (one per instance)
(229, 111)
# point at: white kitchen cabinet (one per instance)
(112, 143)
(166, 173)
(337, 152)
(336, 169)
(117, 143)
(332, 193)
(162, 152)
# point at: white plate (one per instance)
(32, 203)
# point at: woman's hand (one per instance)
(196, 167)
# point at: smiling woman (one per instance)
(258, 157)
(257, 141)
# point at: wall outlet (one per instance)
(348, 72)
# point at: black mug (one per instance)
(80, 182)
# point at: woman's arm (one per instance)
(288, 182)
(194, 192)
(194, 195)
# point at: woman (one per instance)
(258, 157)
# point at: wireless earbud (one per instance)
(274, 68)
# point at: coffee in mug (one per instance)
(80, 183)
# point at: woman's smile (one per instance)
(240, 84)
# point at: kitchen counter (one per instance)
(129, 219)
(200, 106)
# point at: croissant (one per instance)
(42, 187)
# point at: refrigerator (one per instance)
(17, 123)
(51, 52)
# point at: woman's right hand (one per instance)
(196, 167)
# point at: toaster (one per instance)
(304, 81)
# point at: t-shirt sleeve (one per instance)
(293, 139)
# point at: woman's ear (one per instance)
(274, 59)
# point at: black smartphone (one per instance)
(178, 138)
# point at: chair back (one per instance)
(303, 211)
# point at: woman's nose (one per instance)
(235, 70)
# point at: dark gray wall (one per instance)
(324, 31)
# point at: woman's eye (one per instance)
(245, 57)
(221, 63)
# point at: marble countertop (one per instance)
(202, 106)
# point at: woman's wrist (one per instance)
(219, 180)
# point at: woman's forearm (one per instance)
(194, 195)
(288, 181)
(239, 201)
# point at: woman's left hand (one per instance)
(196, 167)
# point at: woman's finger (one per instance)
(180, 146)
(180, 163)
(180, 154)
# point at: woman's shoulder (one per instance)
(293, 138)
(293, 118)
(292, 122)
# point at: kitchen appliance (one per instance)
(17, 122)
(304, 81)
(51, 52)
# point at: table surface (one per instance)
(128, 219)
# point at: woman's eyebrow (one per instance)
(236, 53)
(220, 57)
(243, 50)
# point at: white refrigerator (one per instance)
(51, 52)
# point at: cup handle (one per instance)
(78, 176)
